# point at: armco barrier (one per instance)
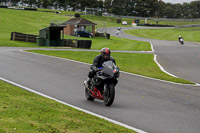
(186, 26)
(18, 8)
(155, 25)
(3, 6)
(150, 18)
(31, 9)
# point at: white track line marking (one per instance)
(120, 71)
(161, 68)
(152, 47)
(80, 109)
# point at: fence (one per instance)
(80, 43)
(150, 18)
(105, 35)
(18, 8)
(23, 37)
(185, 26)
(34, 38)
(69, 43)
(84, 44)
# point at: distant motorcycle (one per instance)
(181, 41)
(102, 86)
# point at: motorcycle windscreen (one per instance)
(108, 68)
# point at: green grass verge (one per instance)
(62, 12)
(30, 22)
(103, 21)
(142, 64)
(175, 23)
(116, 43)
(24, 112)
(189, 34)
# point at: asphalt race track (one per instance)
(150, 105)
(180, 60)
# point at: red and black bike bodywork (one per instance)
(103, 84)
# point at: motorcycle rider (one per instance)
(98, 61)
(179, 38)
(118, 30)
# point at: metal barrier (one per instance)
(185, 26)
(150, 18)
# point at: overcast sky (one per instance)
(178, 1)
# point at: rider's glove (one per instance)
(97, 69)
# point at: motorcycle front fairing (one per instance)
(102, 86)
(109, 73)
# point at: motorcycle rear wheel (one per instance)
(88, 95)
(109, 95)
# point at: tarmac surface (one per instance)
(150, 105)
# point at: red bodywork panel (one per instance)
(97, 94)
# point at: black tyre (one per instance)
(88, 95)
(109, 95)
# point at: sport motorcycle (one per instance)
(102, 86)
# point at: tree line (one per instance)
(140, 8)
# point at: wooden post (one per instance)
(13, 35)
(26, 38)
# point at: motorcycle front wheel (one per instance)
(109, 94)
(88, 95)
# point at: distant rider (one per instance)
(98, 61)
(118, 30)
(179, 39)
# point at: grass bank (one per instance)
(142, 64)
(189, 34)
(30, 22)
(116, 43)
(25, 112)
(111, 21)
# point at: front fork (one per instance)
(105, 90)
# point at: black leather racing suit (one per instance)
(98, 61)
